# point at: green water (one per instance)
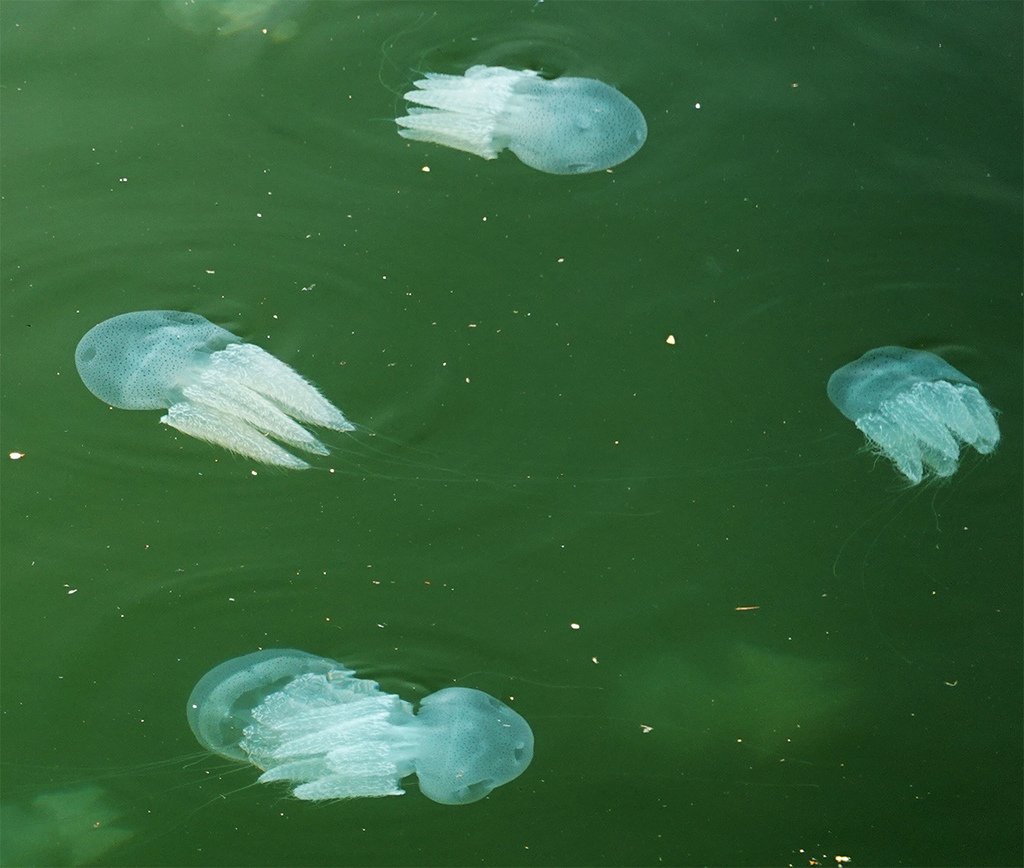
(533, 453)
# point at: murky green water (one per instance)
(535, 455)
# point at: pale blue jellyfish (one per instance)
(565, 126)
(309, 721)
(213, 386)
(915, 408)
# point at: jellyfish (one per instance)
(309, 721)
(915, 408)
(213, 386)
(565, 126)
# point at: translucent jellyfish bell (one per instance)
(309, 721)
(471, 744)
(915, 408)
(213, 386)
(220, 705)
(567, 126)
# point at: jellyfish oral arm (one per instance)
(254, 368)
(332, 739)
(231, 432)
(462, 111)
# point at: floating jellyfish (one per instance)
(309, 721)
(915, 408)
(565, 126)
(213, 386)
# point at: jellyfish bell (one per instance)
(214, 386)
(915, 409)
(572, 126)
(310, 722)
(475, 744)
(565, 126)
(220, 705)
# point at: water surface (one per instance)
(558, 506)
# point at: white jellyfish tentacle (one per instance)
(333, 739)
(462, 111)
(954, 413)
(984, 419)
(893, 443)
(222, 429)
(920, 411)
(234, 399)
(255, 368)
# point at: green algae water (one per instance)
(595, 473)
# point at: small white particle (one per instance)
(671, 340)
(574, 625)
(16, 456)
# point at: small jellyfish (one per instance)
(309, 721)
(213, 386)
(565, 126)
(915, 408)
